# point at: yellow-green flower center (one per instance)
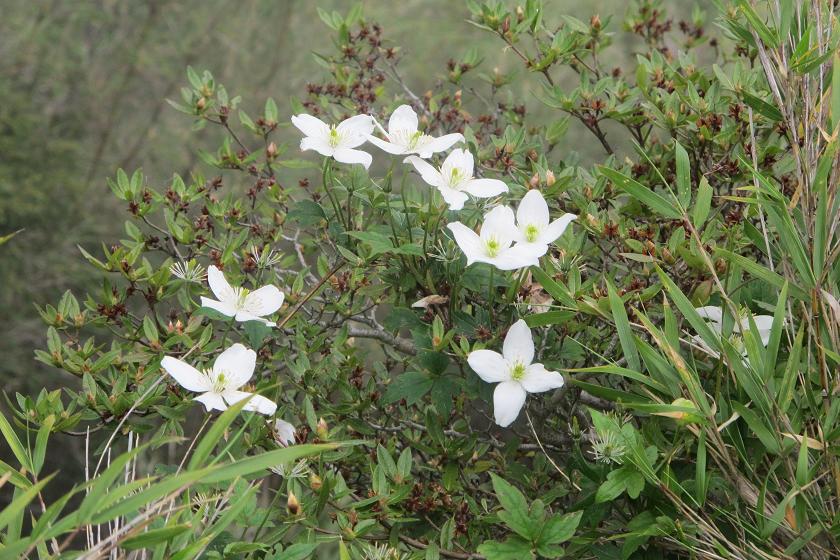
(241, 296)
(532, 233)
(412, 142)
(455, 176)
(493, 247)
(335, 137)
(517, 372)
(219, 383)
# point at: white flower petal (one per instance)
(489, 365)
(532, 209)
(461, 160)
(426, 148)
(386, 146)
(347, 155)
(258, 403)
(508, 399)
(284, 432)
(467, 240)
(186, 375)
(711, 312)
(355, 130)
(264, 301)
(311, 126)
(244, 317)
(453, 198)
(764, 324)
(219, 285)
(499, 223)
(429, 174)
(538, 379)
(513, 258)
(403, 119)
(237, 363)
(519, 344)
(484, 188)
(556, 228)
(223, 307)
(212, 401)
(318, 144)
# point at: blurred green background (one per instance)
(83, 87)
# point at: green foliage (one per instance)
(693, 308)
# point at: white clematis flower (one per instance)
(241, 303)
(714, 318)
(533, 222)
(403, 138)
(455, 178)
(284, 432)
(514, 372)
(338, 141)
(219, 386)
(494, 245)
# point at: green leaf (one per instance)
(762, 107)
(615, 485)
(764, 433)
(20, 501)
(703, 203)
(622, 326)
(298, 551)
(560, 528)
(558, 291)
(411, 386)
(14, 443)
(769, 36)
(8, 237)
(641, 193)
(214, 435)
(515, 514)
(511, 549)
(683, 166)
(154, 537)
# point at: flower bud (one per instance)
(595, 22)
(587, 192)
(201, 104)
(667, 256)
(271, 150)
(535, 181)
(322, 430)
(550, 179)
(292, 504)
(315, 482)
(720, 266)
(520, 14)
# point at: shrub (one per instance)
(687, 292)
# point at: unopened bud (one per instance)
(292, 504)
(506, 25)
(720, 266)
(201, 104)
(315, 482)
(550, 179)
(595, 22)
(520, 14)
(667, 256)
(535, 181)
(587, 192)
(271, 150)
(321, 429)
